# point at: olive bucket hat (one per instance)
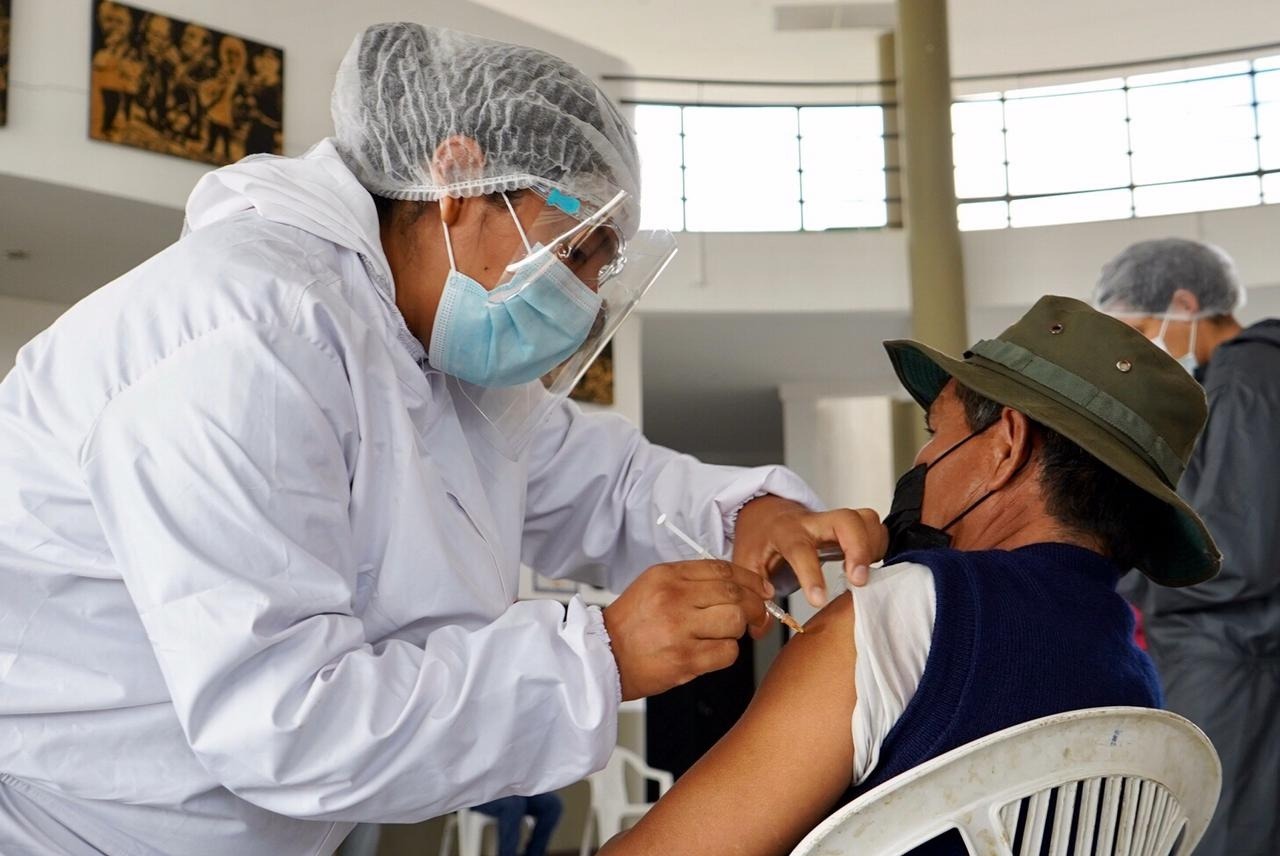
(1101, 384)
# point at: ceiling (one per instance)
(71, 241)
(740, 39)
(710, 381)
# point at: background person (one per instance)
(1217, 645)
(510, 812)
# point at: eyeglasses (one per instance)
(593, 248)
(595, 255)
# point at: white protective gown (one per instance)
(257, 571)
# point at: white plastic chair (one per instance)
(610, 804)
(1114, 780)
(469, 826)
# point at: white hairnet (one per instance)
(403, 89)
(1145, 275)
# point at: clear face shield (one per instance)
(575, 280)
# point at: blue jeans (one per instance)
(510, 811)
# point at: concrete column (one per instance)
(938, 303)
(841, 443)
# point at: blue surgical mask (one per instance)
(515, 333)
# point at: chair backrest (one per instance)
(609, 786)
(1115, 780)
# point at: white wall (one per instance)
(784, 271)
(841, 443)
(719, 39)
(1008, 36)
(47, 134)
(833, 272)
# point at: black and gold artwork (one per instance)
(177, 87)
(596, 386)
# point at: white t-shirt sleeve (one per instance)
(892, 631)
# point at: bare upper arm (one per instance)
(778, 772)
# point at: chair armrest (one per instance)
(664, 779)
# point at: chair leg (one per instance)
(446, 837)
(585, 850)
(470, 835)
(608, 825)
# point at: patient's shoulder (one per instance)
(829, 619)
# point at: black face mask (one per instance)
(906, 532)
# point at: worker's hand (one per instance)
(771, 529)
(681, 620)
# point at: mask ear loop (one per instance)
(962, 515)
(448, 241)
(448, 246)
(943, 456)
(519, 226)
(1158, 341)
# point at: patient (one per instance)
(1051, 467)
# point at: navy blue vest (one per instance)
(1018, 634)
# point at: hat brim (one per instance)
(1184, 553)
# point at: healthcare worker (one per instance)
(265, 498)
(1217, 644)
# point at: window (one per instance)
(1267, 88)
(1196, 196)
(1193, 128)
(1064, 143)
(659, 139)
(1189, 139)
(977, 144)
(751, 169)
(742, 169)
(1070, 208)
(842, 162)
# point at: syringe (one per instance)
(772, 608)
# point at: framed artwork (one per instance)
(181, 88)
(5, 8)
(596, 386)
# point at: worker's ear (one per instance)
(1012, 443)
(456, 159)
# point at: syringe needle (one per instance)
(770, 607)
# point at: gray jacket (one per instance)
(1217, 644)
(1233, 482)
